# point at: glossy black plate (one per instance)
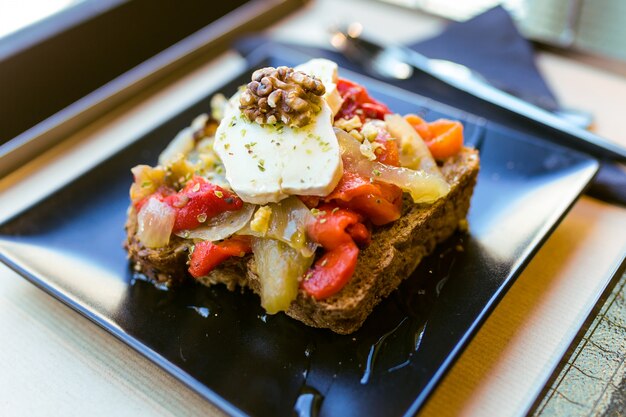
(223, 346)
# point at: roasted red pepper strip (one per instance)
(443, 137)
(447, 138)
(360, 234)
(332, 271)
(420, 125)
(389, 153)
(336, 229)
(356, 101)
(200, 200)
(329, 228)
(380, 203)
(352, 185)
(377, 209)
(207, 255)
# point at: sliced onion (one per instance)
(221, 226)
(155, 221)
(280, 268)
(423, 187)
(288, 224)
(414, 153)
(290, 218)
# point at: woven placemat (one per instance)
(592, 380)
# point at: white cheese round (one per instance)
(267, 163)
(327, 72)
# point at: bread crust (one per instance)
(393, 255)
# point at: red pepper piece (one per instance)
(360, 234)
(420, 125)
(355, 97)
(200, 200)
(351, 90)
(443, 137)
(380, 203)
(447, 138)
(336, 229)
(332, 271)
(389, 153)
(207, 255)
(329, 229)
(352, 185)
(375, 110)
(376, 208)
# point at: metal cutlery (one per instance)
(399, 62)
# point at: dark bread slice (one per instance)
(164, 265)
(394, 253)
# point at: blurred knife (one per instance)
(395, 61)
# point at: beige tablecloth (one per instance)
(54, 362)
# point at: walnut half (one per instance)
(282, 95)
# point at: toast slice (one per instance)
(394, 253)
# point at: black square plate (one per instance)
(223, 346)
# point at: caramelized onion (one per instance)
(280, 268)
(221, 226)
(288, 223)
(155, 221)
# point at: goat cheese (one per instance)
(267, 163)
(327, 71)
